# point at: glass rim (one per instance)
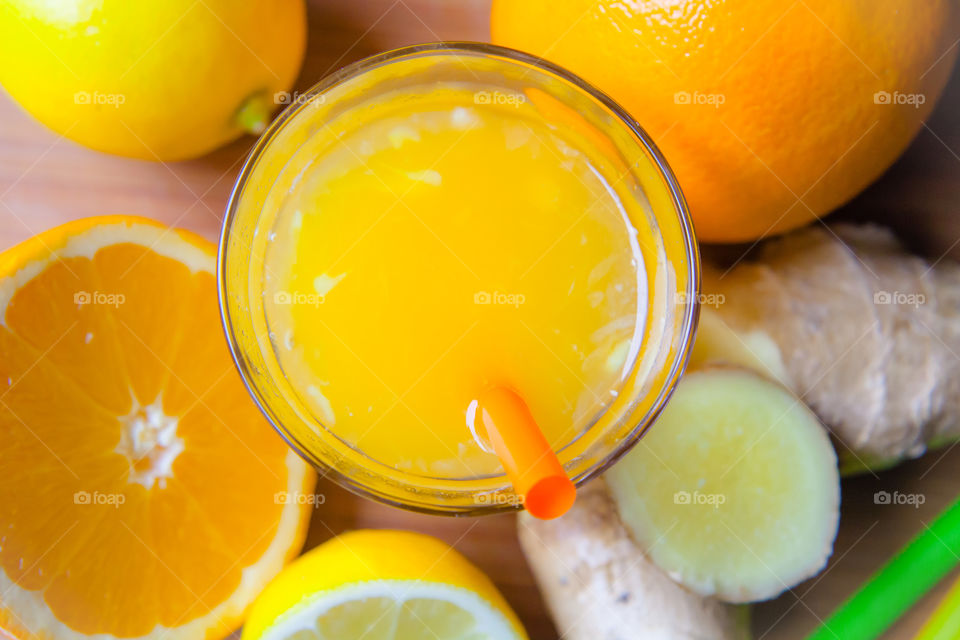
(688, 324)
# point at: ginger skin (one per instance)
(599, 586)
(868, 334)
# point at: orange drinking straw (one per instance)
(526, 456)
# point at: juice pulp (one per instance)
(433, 252)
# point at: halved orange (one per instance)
(142, 495)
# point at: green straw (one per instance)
(944, 624)
(899, 584)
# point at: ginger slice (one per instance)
(599, 586)
(734, 492)
(754, 349)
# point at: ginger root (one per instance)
(867, 333)
(599, 586)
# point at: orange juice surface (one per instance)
(433, 253)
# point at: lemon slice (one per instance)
(396, 610)
(382, 585)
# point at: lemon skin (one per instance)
(153, 79)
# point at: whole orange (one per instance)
(771, 112)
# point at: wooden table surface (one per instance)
(46, 180)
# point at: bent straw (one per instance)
(526, 456)
(944, 624)
(899, 584)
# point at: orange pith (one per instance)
(140, 483)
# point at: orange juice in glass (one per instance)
(439, 220)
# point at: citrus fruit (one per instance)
(143, 494)
(771, 113)
(157, 79)
(382, 585)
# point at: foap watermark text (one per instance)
(896, 498)
(698, 498)
(899, 298)
(292, 497)
(499, 97)
(703, 299)
(714, 100)
(97, 98)
(912, 99)
(81, 298)
(499, 298)
(298, 298)
(97, 498)
(498, 499)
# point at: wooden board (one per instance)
(46, 180)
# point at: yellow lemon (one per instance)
(152, 79)
(382, 585)
(771, 113)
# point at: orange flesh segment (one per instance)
(526, 456)
(70, 375)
